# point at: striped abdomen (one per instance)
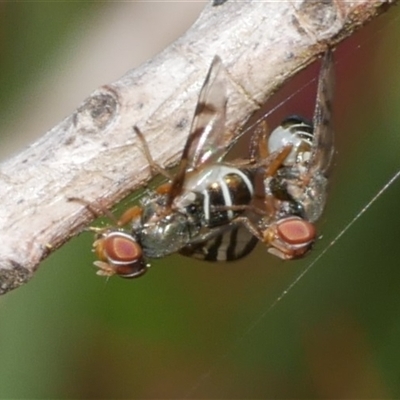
(229, 243)
(221, 185)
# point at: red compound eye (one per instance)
(121, 248)
(124, 255)
(296, 231)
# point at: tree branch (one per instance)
(93, 154)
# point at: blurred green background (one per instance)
(190, 329)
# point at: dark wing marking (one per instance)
(230, 243)
(323, 144)
(206, 142)
(207, 132)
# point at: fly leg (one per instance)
(145, 147)
(129, 215)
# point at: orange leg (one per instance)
(165, 188)
(129, 215)
(277, 161)
(93, 210)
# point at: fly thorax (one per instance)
(166, 235)
(277, 185)
(190, 203)
(153, 209)
(285, 193)
(161, 231)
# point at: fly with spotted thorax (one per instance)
(296, 192)
(183, 215)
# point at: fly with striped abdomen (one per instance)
(296, 192)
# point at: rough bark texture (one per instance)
(93, 154)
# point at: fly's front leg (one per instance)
(251, 227)
(145, 147)
(271, 163)
(129, 215)
(275, 160)
(164, 189)
(96, 211)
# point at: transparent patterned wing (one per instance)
(323, 148)
(206, 141)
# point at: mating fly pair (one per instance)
(203, 211)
